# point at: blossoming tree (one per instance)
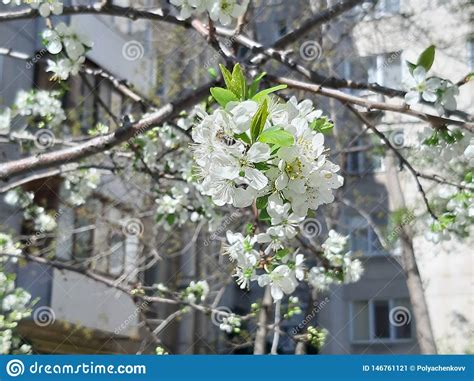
(243, 143)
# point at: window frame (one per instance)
(371, 323)
(363, 159)
(359, 223)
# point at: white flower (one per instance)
(423, 88)
(45, 223)
(352, 269)
(46, 7)
(319, 279)
(297, 265)
(280, 215)
(73, 45)
(188, 7)
(41, 103)
(469, 152)
(242, 113)
(274, 236)
(5, 120)
(258, 153)
(447, 100)
(197, 291)
(230, 323)
(437, 237)
(241, 249)
(7, 246)
(224, 10)
(12, 2)
(281, 280)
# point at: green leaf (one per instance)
(432, 140)
(262, 202)
(264, 216)
(322, 124)
(239, 84)
(258, 121)
(426, 58)
(227, 76)
(468, 177)
(277, 136)
(244, 137)
(170, 218)
(262, 166)
(262, 94)
(255, 83)
(282, 253)
(411, 66)
(223, 96)
(212, 72)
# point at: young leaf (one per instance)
(262, 94)
(262, 202)
(239, 84)
(212, 72)
(264, 216)
(411, 66)
(227, 76)
(426, 58)
(254, 86)
(223, 96)
(322, 124)
(277, 136)
(258, 121)
(244, 137)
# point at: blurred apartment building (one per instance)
(81, 315)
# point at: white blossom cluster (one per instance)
(230, 324)
(435, 90)
(448, 153)
(44, 7)
(80, 185)
(283, 269)
(71, 46)
(219, 10)
(196, 291)
(343, 267)
(15, 303)
(41, 103)
(41, 106)
(255, 150)
(285, 163)
(43, 222)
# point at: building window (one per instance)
(99, 242)
(364, 161)
(384, 69)
(374, 321)
(363, 238)
(281, 27)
